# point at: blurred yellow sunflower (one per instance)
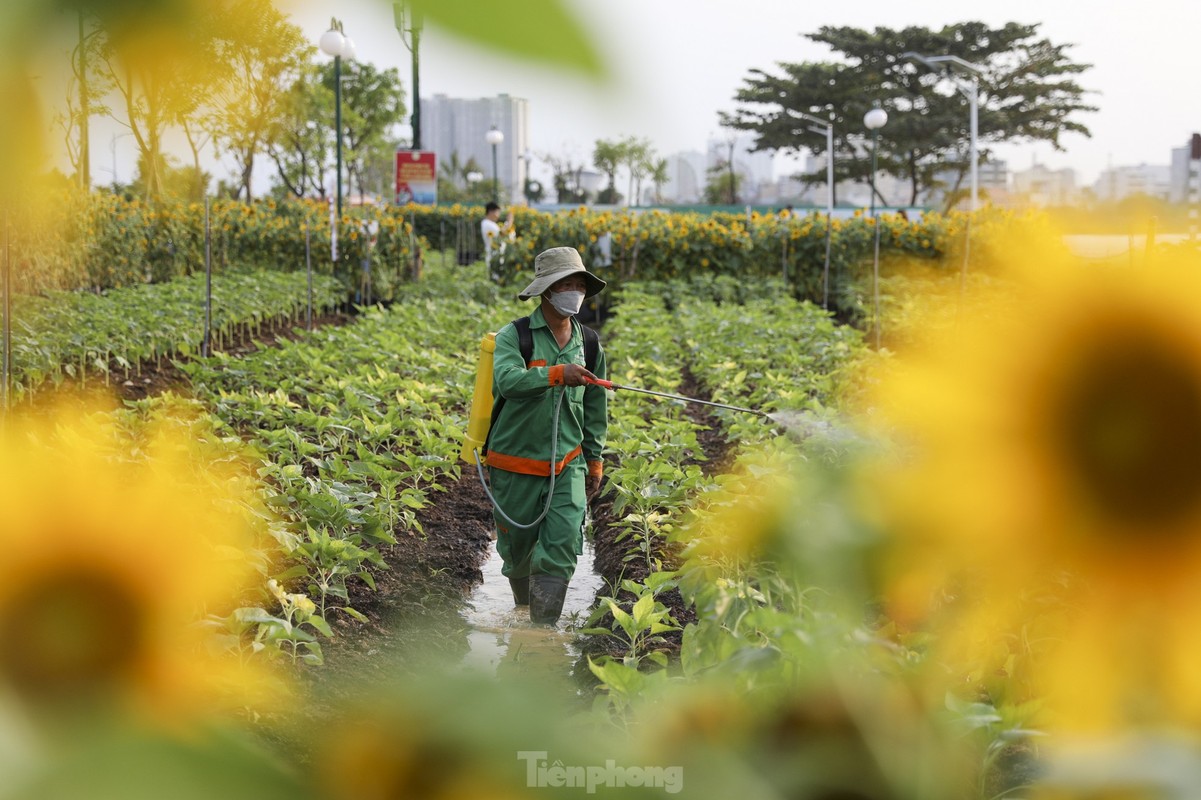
(112, 548)
(1055, 451)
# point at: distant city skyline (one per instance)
(676, 63)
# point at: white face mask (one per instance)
(567, 303)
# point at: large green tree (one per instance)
(158, 73)
(1028, 92)
(608, 156)
(638, 158)
(301, 137)
(372, 105)
(263, 54)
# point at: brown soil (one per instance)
(413, 619)
(165, 376)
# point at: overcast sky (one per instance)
(675, 64)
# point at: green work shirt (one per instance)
(520, 440)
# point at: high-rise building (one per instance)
(993, 185)
(456, 125)
(1185, 180)
(1042, 186)
(685, 177)
(1153, 180)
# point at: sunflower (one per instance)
(113, 547)
(441, 737)
(1054, 462)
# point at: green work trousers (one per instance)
(552, 546)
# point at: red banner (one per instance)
(416, 177)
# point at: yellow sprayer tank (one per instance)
(481, 402)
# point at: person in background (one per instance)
(552, 418)
(494, 233)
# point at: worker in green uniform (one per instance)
(548, 406)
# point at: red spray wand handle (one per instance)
(599, 382)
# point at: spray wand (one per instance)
(611, 385)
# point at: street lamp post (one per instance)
(527, 158)
(818, 125)
(969, 88)
(874, 120)
(494, 137)
(335, 43)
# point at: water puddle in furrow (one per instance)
(502, 638)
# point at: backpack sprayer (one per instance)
(479, 421)
(480, 418)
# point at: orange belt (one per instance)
(529, 466)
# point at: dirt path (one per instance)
(413, 616)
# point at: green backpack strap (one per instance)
(525, 344)
(591, 347)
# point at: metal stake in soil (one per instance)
(308, 268)
(206, 348)
(8, 324)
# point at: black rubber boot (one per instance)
(547, 593)
(521, 590)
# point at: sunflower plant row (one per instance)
(775, 355)
(653, 457)
(661, 245)
(357, 426)
(775, 555)
(82, 335)
(771, 553)
(775, 352)
(98, 240)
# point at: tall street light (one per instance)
(527, 158)
(874, 120)
(335, 43)
(494, 137)
(818, 125)
(969, 87)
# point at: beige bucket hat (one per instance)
(556, 264)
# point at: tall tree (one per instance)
(265, 54)
(636, 156)
(301, 135)
(158, 68)
(608, 156)
(88, 82)
(454, 185)
(566, 173)
(658, 174)
(372, 105)
(1028, 92)
(723, 184)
